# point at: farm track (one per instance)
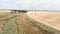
(24, 26)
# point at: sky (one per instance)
(30, 4)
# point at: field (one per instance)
(17, 23)
(51, 19)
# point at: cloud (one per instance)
(39, 4)
(54, 3)
(30, 4)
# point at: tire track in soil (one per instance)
(27, 27)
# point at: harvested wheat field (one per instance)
(46, 20)
(31, 22)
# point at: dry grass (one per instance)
(51, 19)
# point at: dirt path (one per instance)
(22, 24)
(27, 27)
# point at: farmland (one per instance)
(29, 23)
(17, 24)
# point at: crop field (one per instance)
(48, 18)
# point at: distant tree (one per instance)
(24, 11)
(14, 11)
